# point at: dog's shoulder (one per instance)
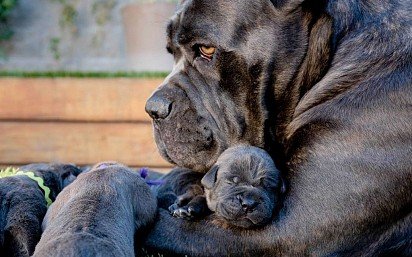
(19, 188)
(21, 198)
(369, 72)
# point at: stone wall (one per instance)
(106, 35)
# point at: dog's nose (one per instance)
(248, 204)
(158, 107)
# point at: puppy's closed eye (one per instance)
(235, 180)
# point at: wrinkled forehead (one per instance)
(195, 19)
(246, 165)
(215, 21)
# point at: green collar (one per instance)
(10, 172)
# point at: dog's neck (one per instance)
(52, 181)
(324, 75)
(309, 65)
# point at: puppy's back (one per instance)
(98, 214)
(79, 244)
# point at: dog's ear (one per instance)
(68, 178)
(209, 180)
(69, 175)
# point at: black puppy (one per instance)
(24, 204)
(243, 187)
(98, 214)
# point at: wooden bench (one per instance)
(77, 120)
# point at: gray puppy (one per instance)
(243, 187)
(23, 205)
(98, 215)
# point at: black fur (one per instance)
(326, 88)
(98, 215)
(243, 187)
(23, 206)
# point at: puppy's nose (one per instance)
(158, 107)
(248, 204)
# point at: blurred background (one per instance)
(74, 78)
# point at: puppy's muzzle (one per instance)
(247, 202)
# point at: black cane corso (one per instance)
(326, 88)
(98, 215)
(23, 205)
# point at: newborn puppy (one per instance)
(242, 188)
(98, 214)
(23, 205)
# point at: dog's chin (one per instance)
(243, 223)
(235, 216)
(246, 221)
(162, 147)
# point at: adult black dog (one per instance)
(326, 88)
(23, 205)
(98, 214)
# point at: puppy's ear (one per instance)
(70, 174)
(209, 180)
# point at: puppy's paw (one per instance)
(195, 209)
(185, 212)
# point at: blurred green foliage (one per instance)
(6, 6)
(54, 47)
(102, 10)
(68, 16)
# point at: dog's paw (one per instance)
(186, 212)
(196, 208)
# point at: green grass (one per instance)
(81, 74)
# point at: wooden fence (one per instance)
(77, 120)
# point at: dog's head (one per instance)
(243, 186)
(231, 59)
(56, 176)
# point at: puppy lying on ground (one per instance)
(98, 214)
(242, 188)
(23, 204)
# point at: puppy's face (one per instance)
(243, 186)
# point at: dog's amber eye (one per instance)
(207, 52)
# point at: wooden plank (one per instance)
(80, 143)
(75, 99)
(162, 170)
